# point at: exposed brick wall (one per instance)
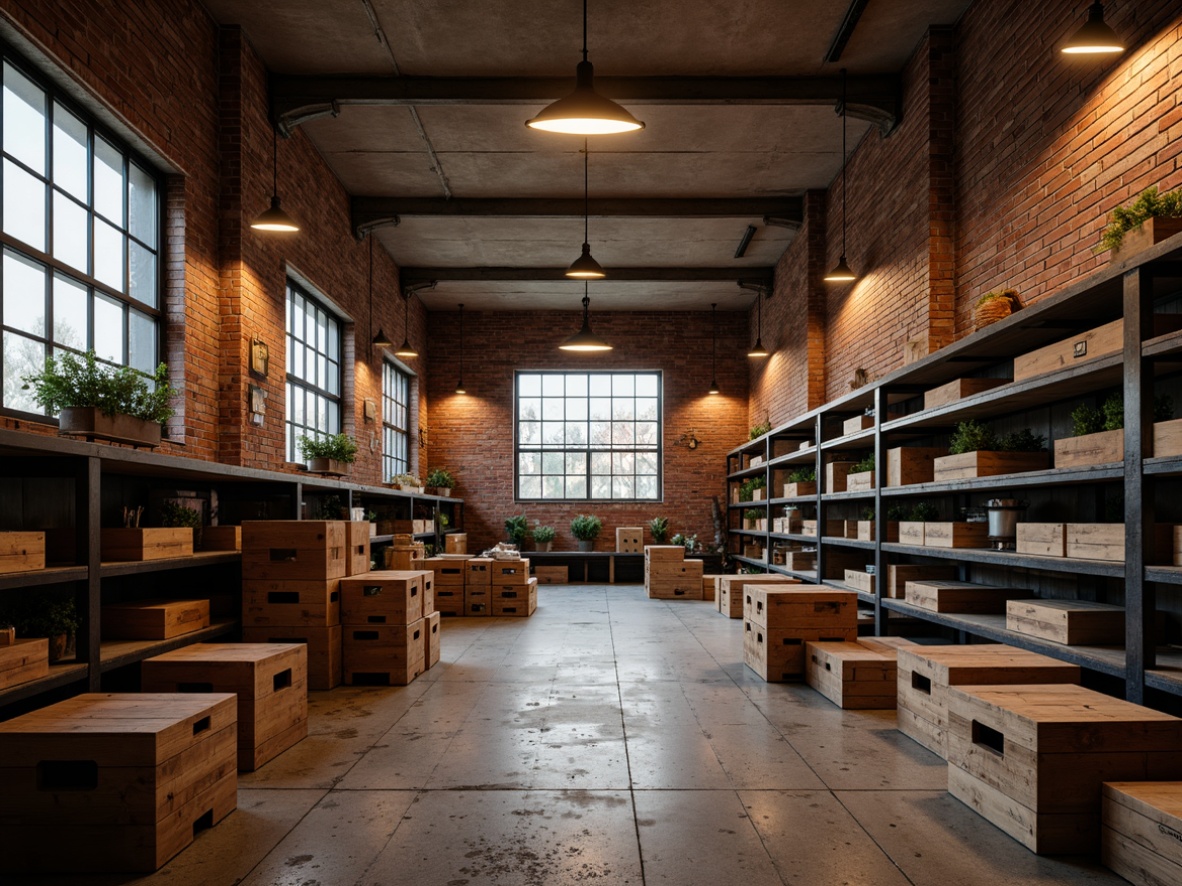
(472, 434)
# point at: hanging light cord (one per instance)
(713, 336)
(274, 162)
(843, 161)
(461, 343)
(586, 191)
(586, 304)
(759, 329)
(584, 30)
(371, 285)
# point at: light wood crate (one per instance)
(382, 598)
(1141, 827)
(267, 603)
(911, 532)
(958, 389)
(22, 551)
(383, 654)
(551, 575)
(940, 595)
(898, 574)
(851, 675)
(357, 547)
(153, 543)
(1042, 539)
(970, 465)
(293, 549)
(778, 655)
(804, 488)
(515, 601)
(629, 539)
(860, 580)
(860, 481)
(856, 424)
(912, 464)
(1105, 447)
(799, 606)
(1073, 351)
(955, 535)
(1070, 622)
(836, 473)
(730, 590)
(456, 543)
(153, 619)
(865, 530)
(432, 640)
(221, 538)
(323, 649)
(24, 660)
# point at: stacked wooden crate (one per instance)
(669, 576)
(514, 591)
(478, 586)
(1141, 836)
(729, 598)
(387, 622)
(451, 587)
(405, 554)
(945, 595)
(858, 675)
(291, 576)
(778, 621)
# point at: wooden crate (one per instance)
(912, 464)
(154, 543)
(478, 599)
(383, 655)
(432, 637)
(861, 481)
(958, 389)
(509, 572)
(551, 575)
(22, 551)
(221, 538)
(449, 600)
(777, 655)
(864, 530)
(943, 595)
(800, 490)
(710, 587)
(270, 681)
(298, 549)
(652, 553)
(1070, 622)
(856, 424)
(836, 473)
(673, 580)
(773, 606)
(898, 574)
(926, 672)
(730, 590)
(515, 601)
(1149, 233)
(455, 543)
(1141, 831)
(1167, 438)
(968, 465)
(629, 539)
(357, 547)
(448, 570)
(323, 649)
(1073, 351)
(860, 580)
(851, 675)
(154, 619)
(478, 571)
(405, 558)
(1043, 539)
(1095, 541)
(1032, 759)
(24, 660)
(886, 645)
(1105, 447)
(956, 535)
(800, 561)
(911, 532)
(121, 782)
(382, 598)
(266, 603)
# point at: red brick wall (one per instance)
(472, 434)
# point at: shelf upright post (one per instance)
(819, 510)
(880, 522)
(88, 545)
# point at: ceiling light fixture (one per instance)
(745, 242)
(585, 339)
(275, 219)
(404, 349)
(460, 383)
(585, 111)
(585, 267)
(1095, 37)
(842, 273)
(381, 340)
(759, 350)
(713, 337)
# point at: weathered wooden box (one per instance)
(629, 539)
(449, 600)
(287, 602)
(455, 543)
(968, 465)
(515, 601)
(448, 570)
(865, 530)
(1042, 539)
(383, 655)
(357, 547)
(1141, 831)
(912, 532)
(836, 474)
(26, 659)
(852, 676)
(154, 543)
(856, 424)
(860, 580)
(221, 538)
(509, 572)
(551, 575)
(799, 606)
(777, 655)
(1105, 447)
(154, 619)
(297, 549)
(382, 598)
(730, 590)
(958, 389)
(956, 535)
(432, 638)
(22, 551)
(1073, 351)
(860, 481)
(710, 587)
(800, 561)
(912, 464)
(801, 489)
(674, 579)
(898, 574)
(942, 595)
(478, 599)
(1070, 622)
(478, 571)
(323, 649)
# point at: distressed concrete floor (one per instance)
(608, 739)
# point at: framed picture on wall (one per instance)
(259, 357)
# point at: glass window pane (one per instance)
(553, 385)
(576, 433)
(529, 385)
(69, 152)
(601, 408)
(22, 356)
(576, 410)
(576, 385)
(601, 433)
(142, 268)
(70, 325)
(25, 287)
(70, 230)
(646, 408)
(552, 463)
(623, 463)
(108, 254)
(529, 408)
(530, 433)
(142, 344)
(529, 463)
(623, 385)
(552, 409)
(141, 201)
(24, 119)
(552, 433)
(576, 463)
(646, 487)
(601, 487)
(622, 410)
(552, 487)
(108, 329)
(623, 487)
(646, 433)
(576, 487)
(601, 463)
(108, 180)
(24, 206)
(622, 433)
(531, 487)
(646, 463)
(646, 386)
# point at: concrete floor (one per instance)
(610, 739)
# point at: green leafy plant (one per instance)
(1148, 205)
(441, 478)
(543, 534)
(972, 436)
(518, 529)
(47, 613)
(866, 464)
(331, 507)
(1024, 440)
(1086, 419)
(898, 511)
(803, 475)
(371, 516)
(174, 513)
(338, 447)
(408, 480)
(689, 542)
(923, 511)
(71, 380)
(753, 514)
(659, 527)
(867, 513)
(747, 487)
(586, 527)
(759, 430)
(1110, 416)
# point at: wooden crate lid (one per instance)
(228, 652)
(1158, 800)
(851, 651)
(979, 662)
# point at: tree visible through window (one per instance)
(313, 369)
(588, 436)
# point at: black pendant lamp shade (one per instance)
(381, 340)
(713, 346)
(585, 111)
(585, 267)
(1095, 37)
(275, 219)
(759, 350)
(585, 339)
(460, 383)
(842, 273)
(404, 349)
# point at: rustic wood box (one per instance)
(673, 580)
(270, 681)
(1070, 622)
(298, 549)
(940, 595)
(652, 553)
(968, 465)
(382, 598)
(898, 574)
(912, 464)
(266, 603)
(323, 649)
(629, 539)
(478, 571)
(383, 655)
(22, 551)
(799, 606)
(478, 599)
(515, 601)
(800, 561)
(860, 581)
(455, 543)
(710, 587)
(114, 783)
(1140, 826)
(856, 424)
(956, 535)
(509, 572)
(851, 675)
(1167, 438)
(865, 530)
(836, 473)
(357, 547)
(861, 481)
(886, 645)
(551, 575)
(911, 532)
(1073, 351)
(449, 600)
(448, 570)
(926, 672)
(221, 538)
(24, 660)
(730, 590)
(1032, 759)
(432, 637)
(154, 543)
(405, 558)
(1095, 541)
(958, 389)
(154, 619)
(1105, 447)
(800, 490)
(1043, 539)
(778, 656)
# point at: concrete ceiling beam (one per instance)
(412, 276)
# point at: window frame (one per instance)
(388, 426)
(658, 452)
(291, 381)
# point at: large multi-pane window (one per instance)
(80, 233)
(588, 435)
(395, 421)
(313, 369)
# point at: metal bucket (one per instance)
(1003, 517)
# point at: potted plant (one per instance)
(1151, 218)
(586, 528)
(659, 527)
(329, 454)
(689, 542)
(912, 519)
(98, 401)
(861, 476)
(759, 430)
(994, 306)
(801, 482)
(543, 537)
(440, 482)
(407, 483)
(1098, 433)
(175, 514)
(976, 451)
(49, 614)
(752, 516)
(518, 529)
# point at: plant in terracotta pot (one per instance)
(586, 528)
(994, 306)
(99, 401)
(543, 537)
(328, 454)
(1132, 218)
(518, 529)
(659, 527)
(440, 482)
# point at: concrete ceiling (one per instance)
(479, 149)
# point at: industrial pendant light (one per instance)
(585, 111)
(404, 349)
(759, 350)
(713, 337)
(460, 383)
(381, 340)
(585, 339)
(1095, 37)
(585, 267)
(842, 273)
(275, 219)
